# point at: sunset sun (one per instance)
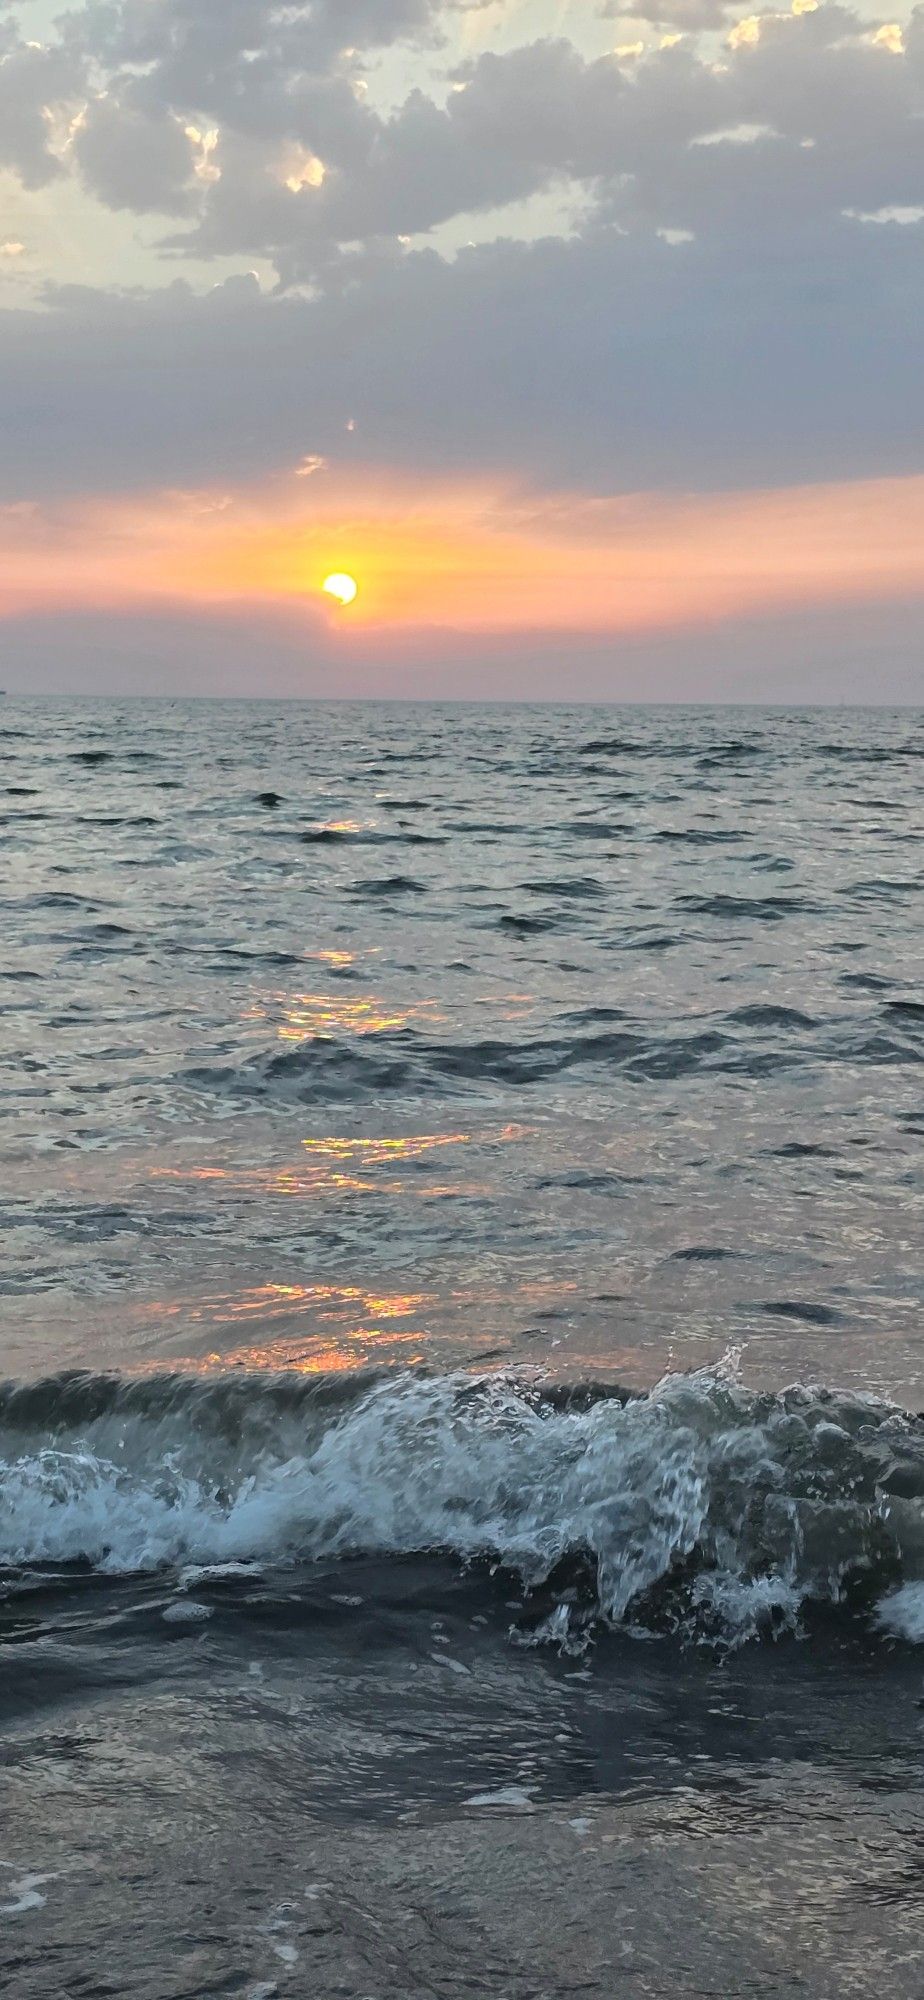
(341, 586)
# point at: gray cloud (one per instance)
(205, 49)
(131, 159)
(32, 81)
(687, 16)
(865, 654)
(839, 123)
(612, 364)
(834, 121)
(779, 344)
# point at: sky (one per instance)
(588, 341)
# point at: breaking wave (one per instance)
(702, 1507)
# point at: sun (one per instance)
(341, 586)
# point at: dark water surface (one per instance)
(461, 1491)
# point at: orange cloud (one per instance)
(470, 558)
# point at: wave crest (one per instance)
(701, 1506)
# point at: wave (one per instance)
(597, 829)
(389, 885)
(326, 1070)
(757, 909)
(865, 753)
(336, 836)
(751, 1042)
(702, 1507)
(566, 886)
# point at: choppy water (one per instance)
(582, 1037)
(433, 1138)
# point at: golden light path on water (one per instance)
(339, 1165)
(320, 1016)
(355, 1326)
(340, 1326)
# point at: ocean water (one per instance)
(461, 1478)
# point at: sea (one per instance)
(461, 1301)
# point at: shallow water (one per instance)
(381, 1089)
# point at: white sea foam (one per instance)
(25, 1892)
(901, 1612)
(187, 1611)
(726, 1508)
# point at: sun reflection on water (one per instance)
(352, 1324)
(304, 1357)
(371, 1151)
(339, 1302)
(319, 1016)
(327, 1301)
(316, 1328)
(340, 1165)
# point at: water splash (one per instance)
(702, 1507)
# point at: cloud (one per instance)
(839, 110)
(866, 654)
(836, 102)
(208, 37)
(688, 15)
(35, 84)
(133, 160)
(611, 364)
